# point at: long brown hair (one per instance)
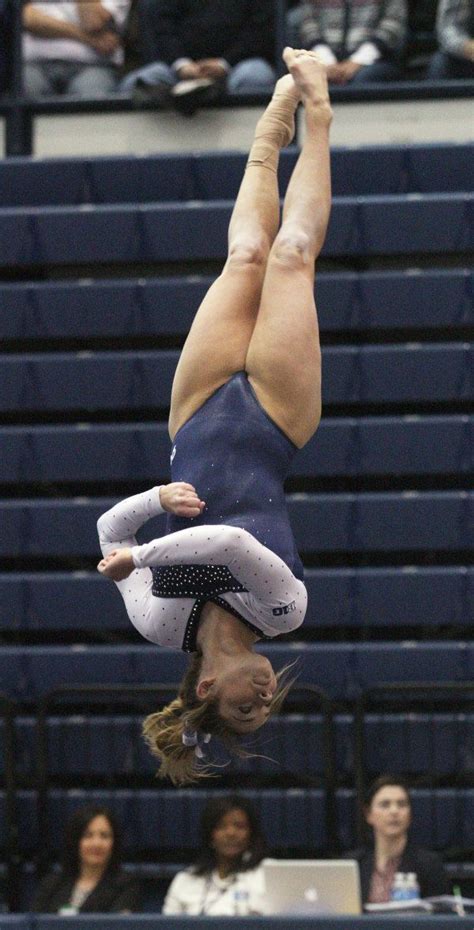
(163, 731)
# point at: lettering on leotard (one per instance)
(279, 611)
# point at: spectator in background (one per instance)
(192, 51)
(73, 47)
(359, 41)
(91, 878)
(387, 811)
(227, 878)
(455, 34)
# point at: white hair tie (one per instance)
(191, 738)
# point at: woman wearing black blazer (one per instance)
(91, 879)
(387, 811)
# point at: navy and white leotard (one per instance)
(240, 553)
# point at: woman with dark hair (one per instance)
(387, 811)
(91, 878)
(226, 878)
(246, 395)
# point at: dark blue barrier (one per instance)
(414, 596)
(379, 522)
(249, 923)
(91, 381)
(424, 299)
(379, 225)
(369, 170)
(16, 922)
(164, 822)
(340, 669)
(87, 747)
(390, 522)
(150, 922)
(140, 452)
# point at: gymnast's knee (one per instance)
(293, 249)
(248, 252)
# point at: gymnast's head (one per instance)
(226, 692)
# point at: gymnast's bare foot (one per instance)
(309, 75)
(117, 565)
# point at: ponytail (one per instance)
(164, 730)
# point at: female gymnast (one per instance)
(246, 395)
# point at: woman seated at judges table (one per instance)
(91, 879)
(226, 879)
(387, 811)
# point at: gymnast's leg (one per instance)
(219, 338)
(283, 361)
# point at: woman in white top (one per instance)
(227, 878)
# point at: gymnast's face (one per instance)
(244, 693)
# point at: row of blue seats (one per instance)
(340, 669)
(91, 381)
(84, 309)
(156, 821)
(438, 596)
(216, 176)
(378, 225)
(91, 746)
(421, 445)
(378, 522)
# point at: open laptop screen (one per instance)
(312, 886)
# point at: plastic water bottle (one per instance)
(241, 902)
(398, 891)
(412, 888)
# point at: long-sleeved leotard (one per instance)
(176, 574)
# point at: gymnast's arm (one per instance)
(251, 564)
(118, 526)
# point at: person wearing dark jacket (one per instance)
(192, 46)
(455, 33)
(387, 811)
(359, 41)
(91, 879)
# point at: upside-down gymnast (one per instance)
(246, 395)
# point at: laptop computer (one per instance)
(312, 886)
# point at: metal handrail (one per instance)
(7, 712)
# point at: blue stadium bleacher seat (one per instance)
(364, 170)
(91, 381)
(426, 299)
(414, 298)
(390, 521)
(50, 182)
(392, 597)
(125, 179)
(158, 821)
(95, 746)
(140, 452)
(340, 669)
(46, 601)
(90, 234)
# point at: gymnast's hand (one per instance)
(181, 499)
(117, 565)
